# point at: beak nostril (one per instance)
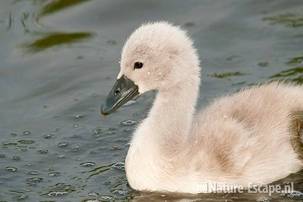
(117, 91)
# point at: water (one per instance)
(60, 58)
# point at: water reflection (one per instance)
(288, 20)
(56, 39)
(58, 5)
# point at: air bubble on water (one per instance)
(120, 192)
(26, 141)
(43, 151)
(119, 165)
(14, 134)
(2, 156)
(27, 132)
(61, 156)
(294, 195)
(57, 193)
(263, 199)
(75, 148)
(87, 164)
(76, 125)
(11, 169)
(128, 122)
(34, 180)
(9, 144)
(78, 116)
(63, 144)
(54, 174)
(33, 172)
(106, 198)
(48, 136)
(94, 194)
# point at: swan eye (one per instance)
(138, 65)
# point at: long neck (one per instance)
(169, 121)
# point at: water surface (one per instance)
(60, 58)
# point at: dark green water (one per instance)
(60, 58)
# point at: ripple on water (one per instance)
(48, 136)
(63, 144)
(11, 169)
(27, 132)
(60, 189)
(78, 117)
(54, 174)
(34, 180)
(42, 151)
(119, 166)
(87, 164)
(128, 122)
(33, 172)
(26, 141)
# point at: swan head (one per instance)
(157, 56)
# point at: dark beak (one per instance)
(124, 90)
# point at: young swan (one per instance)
(238, 140)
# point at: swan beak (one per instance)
(123, 90)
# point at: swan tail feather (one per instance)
(296, 132)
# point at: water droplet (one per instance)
(34, 180)
(54, 174)
(33, 172)
(61, 156)
(11, 169)
(94, 194)
(48, 136)
(107, 198)
(128, 122)
(16, 158)
(75, 148)
(14, 134)
(87, 164)
(120, 192)
(76, 125)
(27, 132)
(119, 166)
(57, 193)
(26, 141)
(91, 200)
(43, 151)
(78, 116)
(9, 143)
(62, 144)
(294, 195)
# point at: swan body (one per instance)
(239, 140)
